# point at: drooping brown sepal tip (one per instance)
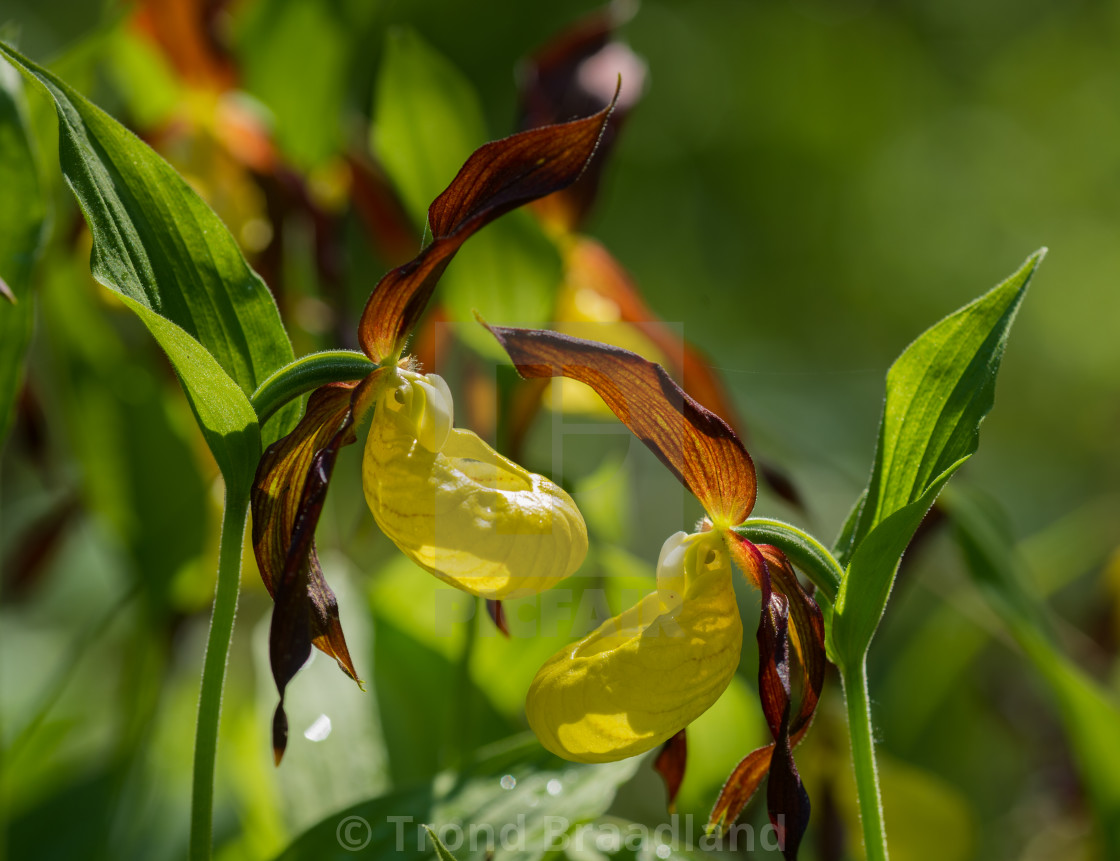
(696, 445)
(670, 764)
(279, 733)
(287, 499)
(498, 177)
(498, 616)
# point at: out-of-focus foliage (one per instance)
(804, 187)
(21, 222)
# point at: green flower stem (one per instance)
(803, 549)
(863, 760)
(307, 374)
(214, 672)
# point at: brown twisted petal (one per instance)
(498, 177)
(783, 599)
(287, 499)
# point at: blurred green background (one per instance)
(803, 188)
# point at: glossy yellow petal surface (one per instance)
(646, 674)
(458, 508)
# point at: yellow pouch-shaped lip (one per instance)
(458, 508)
(644, 675)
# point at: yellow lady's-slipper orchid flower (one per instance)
(596, 701)
(458, 508)
(642, 677)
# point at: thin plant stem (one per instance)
(863, 761)
(214, 674)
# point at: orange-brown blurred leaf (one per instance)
(185, 32)
(498, 177)
(287, 499)
(698, 446)
(387, 224)
(590, 266)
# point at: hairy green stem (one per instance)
(863, 760)
(803, 550)
(305, 375)
(214, 673)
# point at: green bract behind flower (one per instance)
(458, 508)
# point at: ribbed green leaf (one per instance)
(165, 251)
(938, 392)
(441, 851)
(22, 214)
(220, 407)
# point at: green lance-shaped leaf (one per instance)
(22, 215)
(221, 408)
(442, 852)
(938, 392)
(157, 243)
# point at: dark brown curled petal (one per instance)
(786, 800)
(773, 650)
(287, 500)
(808, 625)
(498, 177)
(697, 446)
(670, 764)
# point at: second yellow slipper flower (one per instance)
(640, 677)
(455, 506)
